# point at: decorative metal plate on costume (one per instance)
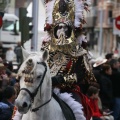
(77, 51)
(59, 60)
(70, 79)
(63, 19)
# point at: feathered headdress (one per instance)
(77, 5)
(63, 18)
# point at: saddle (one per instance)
(68, 113)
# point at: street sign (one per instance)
(117, 22)
(116, 31)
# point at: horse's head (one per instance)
(32, 73)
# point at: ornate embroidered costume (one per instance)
(66, 42)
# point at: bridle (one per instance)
(32, 95)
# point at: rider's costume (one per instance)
(66, 42)
(67, 45)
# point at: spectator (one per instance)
(109, 56)
(1, 92)
(106, 90)
(116, 88)
(2, 51)
(116, 53)
(2, 67)
(8, 103)
(17, 87)
(10, 55)
(10, 66)
(13, 79)
(3, 76)
(119, 64)
(93, 95)
(97, 66)
(1, 82)
(18, 52)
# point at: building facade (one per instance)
(12, 6)
(104, 25)
(100, 25)
(89, 27)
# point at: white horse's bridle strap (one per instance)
(32, 95)
(37, 108)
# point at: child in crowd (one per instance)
(93, 95)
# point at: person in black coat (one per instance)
(106, 90)
(116, 88)
(97, 67)
(18, 52)
(109, 56)
(115, 77)
(2, 51)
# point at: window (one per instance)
(6, 24)
(9, 25)
(110, 19)
(110, 14)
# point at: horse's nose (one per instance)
(25, 105)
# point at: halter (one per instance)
(32, 95)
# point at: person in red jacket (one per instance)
(93, 95)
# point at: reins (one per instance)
(32, 95)
(37, 108)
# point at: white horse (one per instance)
(35, 99)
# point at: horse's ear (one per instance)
(25, 53)
(45, 55)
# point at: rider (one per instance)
(67, 46)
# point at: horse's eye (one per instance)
(39, 76)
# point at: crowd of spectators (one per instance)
(105, 98)
(9, 86)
